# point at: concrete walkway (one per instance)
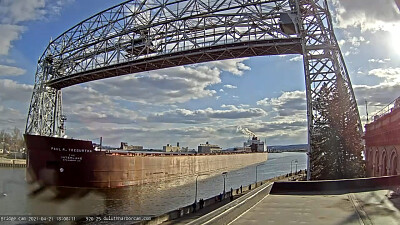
(209, 209)
(372, 207)
(200, 212)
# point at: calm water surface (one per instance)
(18, 198)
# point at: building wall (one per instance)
(208, 148)
(170, 148)
(382, 138)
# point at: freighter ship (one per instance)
(54, 161)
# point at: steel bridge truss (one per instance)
(137, 36)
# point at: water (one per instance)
(16, 196)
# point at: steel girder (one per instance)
(137, 36)
(324, 68)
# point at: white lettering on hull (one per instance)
(77, 150)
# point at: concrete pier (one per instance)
(185, 215)
(356, 201)
(16, 163)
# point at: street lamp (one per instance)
(195, 196)
(224, 174)
(256, 171)
(197, 176)
(294, 160)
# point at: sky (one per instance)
(197, 103)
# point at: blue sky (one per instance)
(196, 103)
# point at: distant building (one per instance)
(184, 149)
(208, 148)
(125, 146)
(170, 148)
(255, 144)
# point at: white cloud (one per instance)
(366, 14)
(230, 86)
(389, 74)
(14, 12)
(22, 10)
(381, 61)
(12, 91)
(289, 107)
(291, 99)
(9, 33)
(377, 95)
(296, 59)
(167, 86)
(173, 85)
(234, 66)
(356, 41)
(11, 71)
(83, 105)
(205, 115)
(11, 118)
(14, 100)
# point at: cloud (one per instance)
(205, 115)
(230, 86)
(296, 59)
(356, 41)
(83, 105)
(289, 103)
(11, 71)
(12, 91)
(378, 95)
(14, 12)
(9, 33)
(166, 86)
(366, 14)
(275, 132)
(14, 99)
(23, 10)
(381, 61)
(11, 118)
(234, 66)
(26, 10)
(389, 74)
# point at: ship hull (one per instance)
(74, 163)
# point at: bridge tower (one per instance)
(324, 69)
(137, 36)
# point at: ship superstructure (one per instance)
(255, 144)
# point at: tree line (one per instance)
(12, 141)
(337, 147)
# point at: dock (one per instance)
(355, 201)
(15, 163)
(186, 215)
(374, 200)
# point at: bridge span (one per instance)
(137, 36)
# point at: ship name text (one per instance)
(77, 150)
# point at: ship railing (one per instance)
(387, 109)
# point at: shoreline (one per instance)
(15, 163)
(186, 214)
